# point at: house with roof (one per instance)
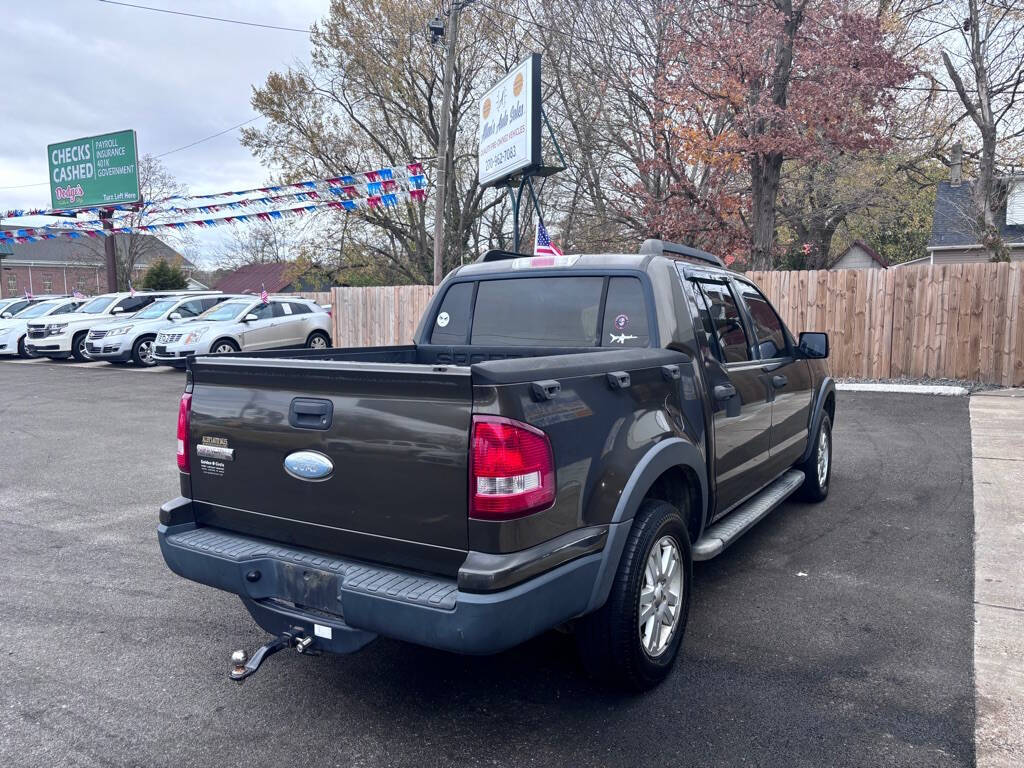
(67, 265)
(277, 277)
(953, 239)
(860, 255)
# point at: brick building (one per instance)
(64, 265)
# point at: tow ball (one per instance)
(243, 666)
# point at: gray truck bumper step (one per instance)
(723, 533)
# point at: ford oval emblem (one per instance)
(308, 465)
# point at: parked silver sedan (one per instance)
(282, 322)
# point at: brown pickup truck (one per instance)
(565, 436)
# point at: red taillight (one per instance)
(184, 412)
(511, 470)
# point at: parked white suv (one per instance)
(246, 324)
(133, 339)
(65, 336)
(14, 329)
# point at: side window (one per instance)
(625, 314)
(771, 339)
(299, 309)
(451, 323)
(64, 309)
(723, 322)
(134, 303)
(190, 308)
(263, 311)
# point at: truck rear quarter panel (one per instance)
(599, 435)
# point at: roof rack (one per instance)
(676, 250)
(496, 255)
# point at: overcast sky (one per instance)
(82, 67)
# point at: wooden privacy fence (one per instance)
(962, 321)
(958, 321)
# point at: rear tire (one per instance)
(818, 467)
(78, 347)
(142, 352)
(318, 340)
(625, 642)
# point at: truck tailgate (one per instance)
(398, 440)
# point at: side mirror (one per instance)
(251, 317)
(6, 315)
(174, 316)
(813, 345)
(117, 310)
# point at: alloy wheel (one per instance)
(660, 596)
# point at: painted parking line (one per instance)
(89, 364)
(997, 422)
(909, 389)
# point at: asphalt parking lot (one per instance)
(833, 634)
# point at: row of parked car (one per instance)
(150, 328)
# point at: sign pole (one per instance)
(442, 142)
(110, 250)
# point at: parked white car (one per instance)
(65, 336)
(133, 339)
(11, 306)
(246, 324)
(14, 329)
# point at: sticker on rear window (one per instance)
(621, 322)
(443, 319)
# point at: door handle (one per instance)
(724, 391)
(779, 381)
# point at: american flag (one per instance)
(77, 294)
(542, 245)
(263, 294)
(131, 289)
(28, 294)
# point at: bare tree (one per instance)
(261, 242)
(983, 57)
(133, 251)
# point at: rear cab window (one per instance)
(557, 312)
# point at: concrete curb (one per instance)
(997, 423)
(911, 389)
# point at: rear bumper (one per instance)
(285, 587)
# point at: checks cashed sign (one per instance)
(94, 170)
(510, 123)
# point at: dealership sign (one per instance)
(510, 124)
(94, 171)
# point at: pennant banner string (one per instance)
(348, 192)
(412, 173)
(385, 200)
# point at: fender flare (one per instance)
(827, 386)
(666, 454)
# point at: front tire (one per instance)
(632, 641)
(818, 467)
(223, 347)
(22, 352)
(78, 347)
(142, 352)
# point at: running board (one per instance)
(736, 523)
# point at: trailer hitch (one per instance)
(243, 665)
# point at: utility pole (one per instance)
(109, 250)
(443, 158)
